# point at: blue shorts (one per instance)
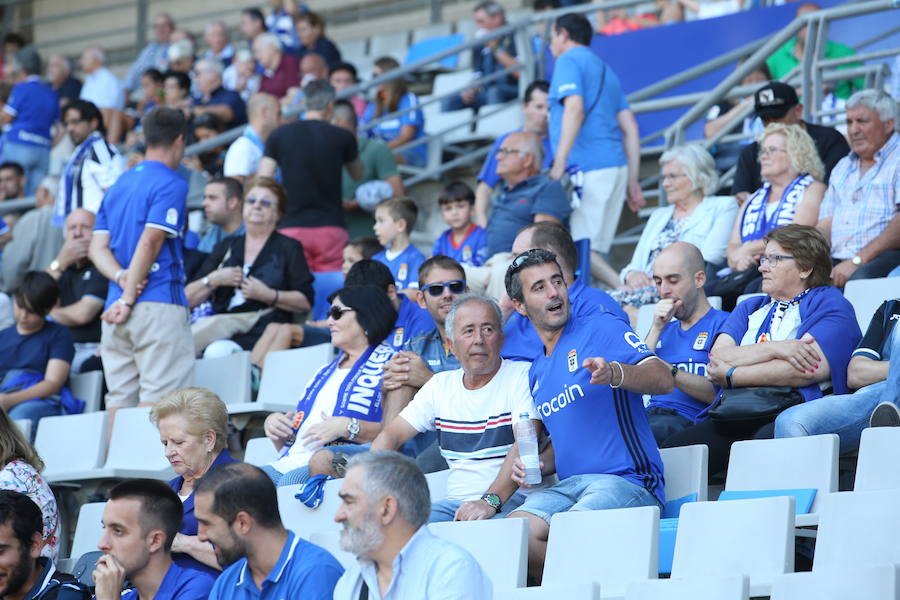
(587, 492)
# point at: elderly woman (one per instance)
(391, 97)
(20, 470)
(343, 399)
(792, 173)
(692, 215)
(193, 427)
(253, 279)
(799, 335)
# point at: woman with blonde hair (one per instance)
(392, 96)
(21, 471)
(193, 429)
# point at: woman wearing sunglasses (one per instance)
(342, 401)
(250, 280)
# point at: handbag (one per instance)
(741, 411)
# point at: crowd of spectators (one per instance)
(438, 358)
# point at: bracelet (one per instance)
(275, 301)
(621, 374)
(120, 301)
(118, 276)
(728, 375)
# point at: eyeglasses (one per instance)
(501, 152)
(770, 150)
(437, 288)
(337, 312)
(773, 259)
(264, 202)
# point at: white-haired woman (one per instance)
(692, 215)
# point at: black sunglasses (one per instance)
(456, 286)
(337, 312)
(520, 261)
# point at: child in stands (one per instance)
(394, 220)
(464, 241)
(357, 249)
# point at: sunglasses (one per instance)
(337, 312)
(264, 202)
(535, 255)
(436, 289)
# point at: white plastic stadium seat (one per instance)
(481, 539)
(866, 295)
(24, 426)
(71, 445)
(715, 302)
(611, 547)
(724, 587)
(686, 471)
(644, 320)
(790, 463)
(354, 47)
(285, 376)
(331, 541)
(89, 388)
(747, 537)
(571, 591)
(743, 297)
(134, 447)
(857, 529)
(228, 377)
(305, 521)
(389, 44)
(88, 529)
(260, 451)
(876, 466)
(498, 120)
(437, 484)
(873, 582)
(423, 32)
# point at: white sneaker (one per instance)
(885, 414)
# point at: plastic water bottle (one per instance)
(528, 449)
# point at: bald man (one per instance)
(244, 154)
(683, 331)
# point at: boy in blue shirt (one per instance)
(683, 330)
(465, 242)
(394, 220)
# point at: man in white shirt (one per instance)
(473, 410)
(103, 89)
(244, 154)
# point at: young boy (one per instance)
(465, 241)
(394, 219)
(357, 249)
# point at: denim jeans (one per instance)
(445, 510)
(494, 93)
(34, 159)
(845, 414)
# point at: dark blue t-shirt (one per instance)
(596, 429)
(229, 98)
(513, 209)
(34, 351)
(35, 108)
(689, 351)
(148, 195)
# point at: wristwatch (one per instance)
(493, 500)
(857, 260)
(352, 429)
(206, 282)
(54, 266)
(674, 371)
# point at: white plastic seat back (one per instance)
(423, 32)
(644, 320)
(88, 529)
(857, 529)
(567, 591)
(866, 295)
(305, 521)
(89, 388)
(71, 444)
(24, 426)
(715, 302)
(874, 582)
(686, 471)
(738, 537)
(228, 377)
(260, 451)
(494, 121)
(134, 446)
(481, 539)
(611, 547)
(879, 455)
(723, 587)
(743, 297)
(437, 484)
(354, 47)
(331, 541)
(393, 44)
(287, 372)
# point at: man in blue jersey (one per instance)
(587, 390)
(237, 511)
(521, 339)
(594, 133)
(146, 344)
(140, 522)
(683, 330)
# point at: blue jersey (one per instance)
(389, 130)
(521, 340)
(149, 195)
(596, 429)
(404, 267)
(472, 250)
(412, 320)
(689, 351)
(34, 107)
(489, 169)
(179, 584)
(580, 72)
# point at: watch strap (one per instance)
(493, 500)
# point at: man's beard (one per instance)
(18, 577)
(232, 554)
(364, 538)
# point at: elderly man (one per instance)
(472, 409)
(153, 56)
(859, 213)
(216, 37)
(103, 89)
(383, 512)
(244, 154)
(280, 71)
(213, 98)
(59, 76)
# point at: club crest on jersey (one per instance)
(467, 253)
(700, 342)
(401, 272)
(572, 360)
(398, 337)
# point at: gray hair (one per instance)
(243, 55)
(28, 60)
(207, 64)
(491, 7)
(698, 163)
(534, 147)
(878, 101)
(97, 53)
(390, 473)
(209, 27)
(268, 39)
(51, 184)
(466, 299)
(318, 94)
(180, 49)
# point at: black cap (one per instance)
(774, 100)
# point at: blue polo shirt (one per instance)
(580, 72)
(689, 351)
(231, 99)
(412, 320)
(512, 209)
(179, 584)
(489, 169)
(34, 107)
(472, 250)
(148, 195)
(303, 570)
(521, 340)
(596, 429)
(389, 130)
(430, 347)
(404, 267)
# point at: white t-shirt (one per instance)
(242, 158)
(474, 426)
(103, 89)
(325, 401)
